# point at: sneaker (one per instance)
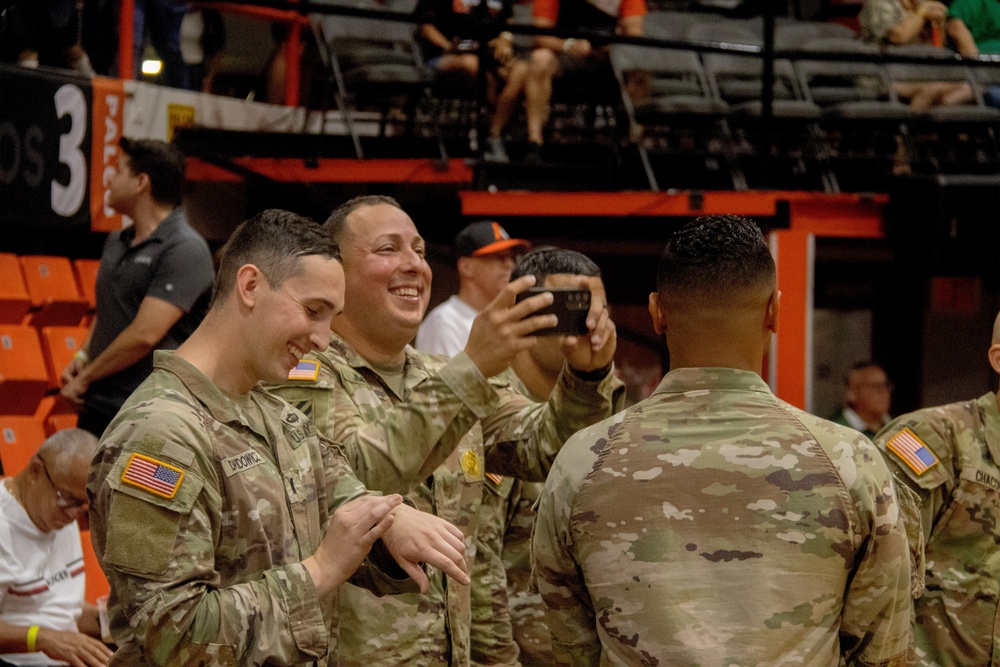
(533, 155)
(495, 150)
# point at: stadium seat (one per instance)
(86, 279)
(23, 378)
(58, 422)
(14, 299)
(59, 344)
(55, 413)
(55, 298)
(20, 436)
(97, 583)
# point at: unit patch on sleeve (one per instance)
(912, 450)
(304, 370)
(152, 475)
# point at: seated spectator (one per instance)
(41, 560)
(867, 395)
(974, 25)
(576, 61)
(448, 52)
(46, 33)
(901, 22)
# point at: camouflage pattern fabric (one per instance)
(202, 547)
(713, 524)
(957, 619)
(527, 612)
(449, 428)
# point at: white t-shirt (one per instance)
(41, 574)
(446, 329)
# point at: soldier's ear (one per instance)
(994, 357)
(655, 313)
(773, 310)
(249, 281)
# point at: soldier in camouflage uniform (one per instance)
(225, 524)
(950, 457)
(447, 421)
(534, 373)
(712, 523)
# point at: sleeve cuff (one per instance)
(470, 385)
(310, 628)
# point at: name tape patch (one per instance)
(154, 476)
(241, 462)
(912, 450)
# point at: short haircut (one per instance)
(273, 241)
(715, 256)
(66, 448)
(334, 225)
(546, 261)
(860, 366)
(996, 331)
(163, 163)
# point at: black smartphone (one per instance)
(569, 304)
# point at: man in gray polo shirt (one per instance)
(153, 284)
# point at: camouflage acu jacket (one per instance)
(950, 456)
(713, 524)
(449, 428)
(201, 511)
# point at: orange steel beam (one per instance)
(258, 12)
(335, 171)
(790, 372)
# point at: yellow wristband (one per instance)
(82, 356)
(568, 44)
(32, 638)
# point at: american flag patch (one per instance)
(907, 446)
(497, 479)
(304, 370)
(152, 475)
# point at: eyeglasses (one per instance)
(64, 500)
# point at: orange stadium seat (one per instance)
(20, 436)
(59, 345)
(97, 583)
(14, 299)
(23, 378)
(86, 279)
(58, 422)
(55, 413)
(53, 291)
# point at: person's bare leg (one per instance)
(957, 93)
(538, 91)
(517, 75)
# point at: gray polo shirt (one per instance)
(173, 264)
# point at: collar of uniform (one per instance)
(414, 369)
(220, 406)
(991, 424)
(695, 379)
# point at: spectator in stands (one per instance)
(161, 20)
(485, 256)
(974, 25)
(867, 395)
(450, 53)
(41, 559)
(153, 283)
(46, 33)
(575, 61)
(901, 22)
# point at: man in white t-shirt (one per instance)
(485, 256)
(41, 559)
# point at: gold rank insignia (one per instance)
(304, 370)
(471, 465)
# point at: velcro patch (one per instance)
(154, 476)
(304, 370)
(241, 462)
(912, 450)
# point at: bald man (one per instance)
(41, 559)
(950, 457)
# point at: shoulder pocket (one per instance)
(143, 526)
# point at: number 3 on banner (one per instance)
(66, 199)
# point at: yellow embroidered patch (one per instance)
(471, 465)
(154, 476)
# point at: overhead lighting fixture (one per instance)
(152, 67)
